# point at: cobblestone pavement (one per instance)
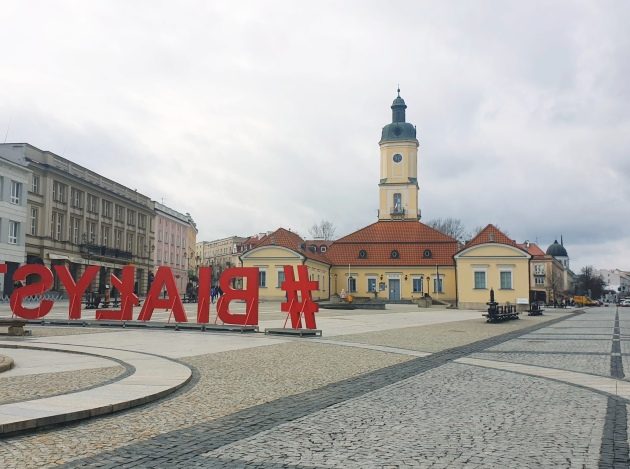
(442, 336)
(24, 388)
(308, 404)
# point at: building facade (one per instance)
(175, 232)
(79, 218)
(617, 281)
(285, 248)
(548, 276)
(492, 261)
(395, 259)
(220, 254)
(14, 184)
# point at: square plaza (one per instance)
(402, 387)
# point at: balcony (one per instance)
(397, 212)
(104, 251)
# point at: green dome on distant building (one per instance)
(557, 250)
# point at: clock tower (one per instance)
(398, 188)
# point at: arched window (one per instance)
(397, 203)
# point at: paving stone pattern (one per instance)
(313, 405)
(28, 387)
(593, 363)
(223, 383)
(439, 337)
(458, 420)
(183, 448)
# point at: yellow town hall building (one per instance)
(397, 258)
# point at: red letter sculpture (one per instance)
(75, 290)
(127, 297)
(203, 295)
(35, 288)
(295, 307)
(163, 279)
(249, 294)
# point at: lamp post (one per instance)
(88, 253)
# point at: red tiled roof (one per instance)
(409, 238)
(533, 249)
(491, 234)
(396, 232)
(290, 240)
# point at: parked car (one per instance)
(625, 302)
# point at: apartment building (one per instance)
(175, 243)
(77, 218)
(14, 179)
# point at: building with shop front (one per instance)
(79, 218)
(14, 180)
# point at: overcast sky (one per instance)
(258, 115)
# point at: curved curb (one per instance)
(6, 363)
(154, 378)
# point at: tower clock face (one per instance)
(397, 158)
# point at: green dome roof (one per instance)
(557, 250)
(398, 129)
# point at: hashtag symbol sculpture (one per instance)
(304, 305)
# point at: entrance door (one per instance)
(394, 289)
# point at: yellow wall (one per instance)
(399, 174)
(339, 281)
(272, 259)
(491, 259)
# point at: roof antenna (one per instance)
(398, 90)
(561, 241)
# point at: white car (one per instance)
(625, 302)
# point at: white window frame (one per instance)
(35, 184)
(506, 271)
(91, 232)
(279, 280)
(14, 232)
(438, 282)
(92, 203)
(485, 279)
(16, 192)
(372, 278)
(34, 220)
(60, 192)
(413, 279)
(57, 226)
(352, 286)
(262, 278)
(77, 198)
(118, 234)
(76, 230)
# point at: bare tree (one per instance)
(452, 227)
(590, 284)
(323, 230)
